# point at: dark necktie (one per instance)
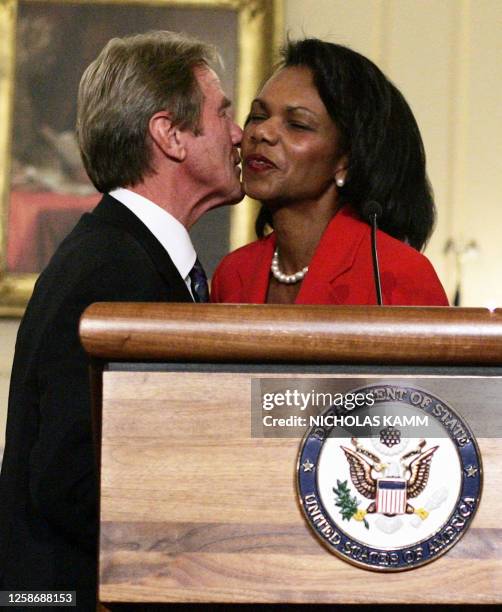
(198, 280)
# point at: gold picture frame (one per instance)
(258, 35)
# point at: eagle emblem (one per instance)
(389, 485)
(394, 497)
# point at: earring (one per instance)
(340, 182)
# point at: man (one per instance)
(158, 140)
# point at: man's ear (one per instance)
(167, 136)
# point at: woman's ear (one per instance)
(341, 168)
(167, 137)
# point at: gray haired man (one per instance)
(158, 140)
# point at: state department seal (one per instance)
(396, 498)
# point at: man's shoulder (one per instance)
(96, 262)
(93, 244)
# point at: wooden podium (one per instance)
(194, 508)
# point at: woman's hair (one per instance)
(379, 134)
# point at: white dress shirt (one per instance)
(171, 234)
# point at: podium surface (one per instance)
(200, 505)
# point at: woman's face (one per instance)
(290, 146)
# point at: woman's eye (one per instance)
(254, 117)
(299, 126)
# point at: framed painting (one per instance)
(45, 46)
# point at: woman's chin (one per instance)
(252, 190)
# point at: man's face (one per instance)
(212, 155)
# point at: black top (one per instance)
(48, 484)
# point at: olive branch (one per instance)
(348, 504)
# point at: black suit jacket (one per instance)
(48, 484)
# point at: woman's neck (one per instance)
(298, 230)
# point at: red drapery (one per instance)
(37, 223)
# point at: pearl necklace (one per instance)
(289, 279)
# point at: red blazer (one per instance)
(341, 270)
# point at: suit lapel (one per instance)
(334, 255)
(111, 211)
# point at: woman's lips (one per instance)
(258, 163)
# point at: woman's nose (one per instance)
(265, 131)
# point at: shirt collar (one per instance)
(171, 234)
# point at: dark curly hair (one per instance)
(378, 133)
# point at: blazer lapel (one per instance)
(255, 277)
(334, 255)
(111, 211)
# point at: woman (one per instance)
(327, 134)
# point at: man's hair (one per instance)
(379, 134)
(132, 79)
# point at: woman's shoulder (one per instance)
(414, 276)
(239, 265)
(408, 276)
(395, 253)
(242, 254)
(400, 253)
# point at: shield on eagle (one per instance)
(391, 496)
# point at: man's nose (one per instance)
(236, 133)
